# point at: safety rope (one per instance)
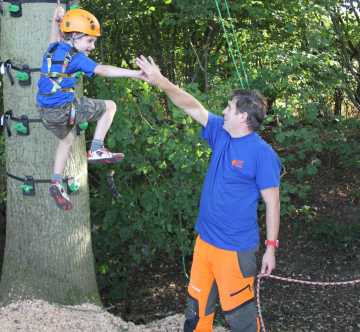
(229, 42)
(298, 281)
(237, 44)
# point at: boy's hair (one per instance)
(72, 35)
(253, 103)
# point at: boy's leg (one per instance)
(202, 292)
(235, 273)
(105, 121)
(56, 189)
(57, 121)
(62, 153)
(103, 112)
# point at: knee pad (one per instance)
(190, 324)
(243, 318)
(191, 314)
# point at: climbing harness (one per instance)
(298, 281)
(243, 81)
(28, 183)
(23, 73)
(55, 77)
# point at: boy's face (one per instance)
(85, 44)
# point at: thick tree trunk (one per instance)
(48, 253)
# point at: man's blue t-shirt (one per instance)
(79, 62)
(239, 168)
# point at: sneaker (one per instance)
(57, 192)
(104, 156)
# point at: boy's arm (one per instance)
(112, 71)
(179, 97)
(271, 197)
(55, 33)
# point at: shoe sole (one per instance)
(60, 201)
(113, 160)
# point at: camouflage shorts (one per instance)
(57, 119)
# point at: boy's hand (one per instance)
(59, 14)
(150, 71)
(140, 75)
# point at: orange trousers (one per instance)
(226, 275)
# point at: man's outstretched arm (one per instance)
(179, 97)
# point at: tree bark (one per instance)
(48, 252)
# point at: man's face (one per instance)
(233, 120)
(85, 44)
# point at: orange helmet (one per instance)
(80, 20)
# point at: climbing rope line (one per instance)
(298, 281)
(229, 42)
(237, 44)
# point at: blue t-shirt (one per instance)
(239, 168)
(79, 62)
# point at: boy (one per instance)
(59, 108)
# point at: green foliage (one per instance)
(298, 53)
(160, 181)
(336, 235)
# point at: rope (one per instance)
(237, 44)
(231, 52)
(298, 281)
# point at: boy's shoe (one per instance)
(57, 192)
(104, 156)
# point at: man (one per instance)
(243, 167)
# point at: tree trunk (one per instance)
(338, 100)
(48, 252)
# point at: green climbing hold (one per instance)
(73, 187)
(14, 8)
(27, 188)
(21, 129)
(79, 74)
(22, 76)
(83, 125)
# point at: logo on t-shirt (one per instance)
(237, 163)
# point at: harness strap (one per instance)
(63, 90)
(54, 74)
(57, 77)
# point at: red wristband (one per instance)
(272, 243)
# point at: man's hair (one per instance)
(253, 103)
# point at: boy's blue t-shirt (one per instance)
(239, 168)
(79, 62)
